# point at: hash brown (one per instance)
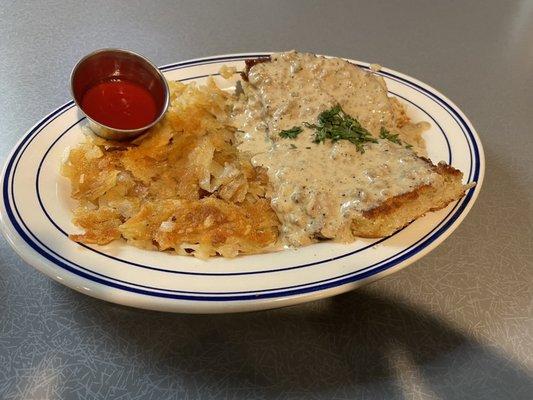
(181, 187)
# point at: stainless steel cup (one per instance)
(106, 64)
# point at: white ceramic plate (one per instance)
(36, 218)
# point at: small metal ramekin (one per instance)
(117, 63)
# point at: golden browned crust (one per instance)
(208, 226)
(445, 169)
(395, 203)
(101, 226)
(399, 211)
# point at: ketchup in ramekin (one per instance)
(120, 104)
(121, 92)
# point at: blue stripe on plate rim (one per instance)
(270, 293)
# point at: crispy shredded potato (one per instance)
(181, 186)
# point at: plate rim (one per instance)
(276, 299)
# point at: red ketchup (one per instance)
(119, 104)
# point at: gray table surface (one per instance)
(455, 325)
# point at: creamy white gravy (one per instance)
(317, 189)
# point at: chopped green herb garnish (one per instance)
(336, 125)
(385, 134)
(293, 146)
(291, 133)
